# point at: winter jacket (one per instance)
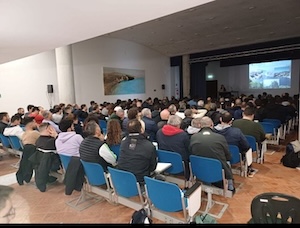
(67, 143)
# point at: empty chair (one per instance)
(280, 128)
(176, 168)
(209, 171)
(236, 160)
(166, 197)
(97, 179)
(272, 208)
(269, 128)
(127, 190)
(5, 141)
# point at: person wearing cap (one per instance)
(68, 142)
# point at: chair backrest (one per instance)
(165, 196)
(15, 142)
(115, 149)
(252, 142)
(94, 173)
(65, 160)
(276, 122)
(268, 127)
(207, 170)
(5, 141)
(274, 208)
(235, 154)
(171, 157)
(124, 182)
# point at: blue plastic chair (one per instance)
(126, 187)
(97, 179)
(15, 143)
(5, 141)
(209, 171)
(236, 159)
(176, 168)
(65, 160)
(254, 146)
(269, 128)
(165, 197)
(280, 128)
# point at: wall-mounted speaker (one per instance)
(50, 88)
(163, 86)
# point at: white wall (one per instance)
(236, 78)
(25, 81)
(89, 58)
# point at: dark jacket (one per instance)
(138, 156)
(89, 151)
(150, 128)
(25, 170)
(74, 176)
(233, 136)
(156, 116)
(209, 144)
(174, 139)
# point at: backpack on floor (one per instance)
(140, 217)
(291, 158)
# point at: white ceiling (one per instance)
(33, 26)
(29, 27)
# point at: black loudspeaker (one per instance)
(50, 88)
(163, 86)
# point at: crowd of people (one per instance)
(203, 127)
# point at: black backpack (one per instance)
(140, 217)
(290, 159)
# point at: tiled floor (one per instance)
(33, 206)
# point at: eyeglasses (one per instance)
(11, 214)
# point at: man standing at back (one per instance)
(209, 144)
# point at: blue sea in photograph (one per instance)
(130, 87)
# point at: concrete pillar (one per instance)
(186, 75)
(65, 75)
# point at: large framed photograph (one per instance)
(119, 81)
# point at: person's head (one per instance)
(196, 122)
(174, 121)
(188, 112)
(35, 109)
(21, 111)
(120, 113)
(132, 113)
(30, 123)
(15, 120)
(172, 109)
(30, 107)
(249, 113)
(134, 126)
(165, 114)
(44, 129)
(4, 117)
(114, 132)
(226, 118)
(146, 112)
(206, 122)
(7, 211)
(92, 128)
(66, 125)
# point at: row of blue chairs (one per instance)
(13, 145)
(121, 187)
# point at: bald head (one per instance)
(164, 114)
(206, 122)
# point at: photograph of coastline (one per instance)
(119, 81)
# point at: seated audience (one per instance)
(14, 128)
(137, 153)
(209, 144)
(171, 138)
(150, 125)
(4, 121)
(195, 126)
(94, 149)
(68, 142)
(164, 116)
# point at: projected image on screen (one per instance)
(270, 75)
